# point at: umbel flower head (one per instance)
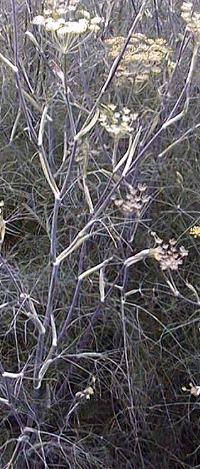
(169, 256)
(54, 20)
(144, 56)
(59, 7)
(134, 201)
(115, 122)
(195, 231)
(193, 389)
(191, 18)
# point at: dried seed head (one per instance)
(134, 201)
(168, 255)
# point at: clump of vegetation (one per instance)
(99, 234)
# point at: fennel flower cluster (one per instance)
(59, 7)
(143, 57)
(195, 231)
(134, 201)
(194, 390)
(53, 20)
(117, 123)
(191, 18)
(167, 254)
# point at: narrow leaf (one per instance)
(88, 127)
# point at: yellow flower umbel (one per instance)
(191, 18)
(54, 20)
(66, 24)
(195, 231)
(143, 56)
(117, 123)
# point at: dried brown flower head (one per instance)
(134, 201)
(169, 256)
